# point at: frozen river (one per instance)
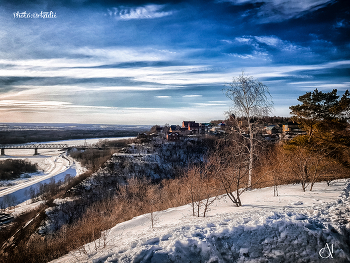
(53, 163)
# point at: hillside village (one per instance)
(271, 129)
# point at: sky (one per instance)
(157, 62)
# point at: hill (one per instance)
(295, 226)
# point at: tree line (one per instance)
(14, 168)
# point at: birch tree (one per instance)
(250, 99)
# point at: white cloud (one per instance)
(342, 24)
(51, 63)
(247, 56)
(207, 104)
(128, 88)
(227, 41)
(259, 42)
(269, 40)
(144, 12)
(289, 71)
(279, 10)
(95, 57)
(40, 111)
(245, 40)
(255, 55)
(306, 83)
(322, 86)
(29, 103)
(125, 54)
(171, 77)
(219, 101)
(32, 104)
(191, 96)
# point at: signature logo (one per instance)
(326, 252)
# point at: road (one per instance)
(58, 165)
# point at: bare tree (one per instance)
(230, 164)
(153, 198)
(201, 188)
(310, 166)
(273, 165)
(33, 194)
(250, 99)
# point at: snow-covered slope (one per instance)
(295, 226)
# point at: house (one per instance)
(186, 124)
(271, 137)
(173, 136)
(159, 129)
(219, 127)
(194, 127)
(222, 124)
(291, 127)
(191, 126)
(174, 128)
(272, 129)
(205, 127)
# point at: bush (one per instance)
(92, 158)
(12, 169)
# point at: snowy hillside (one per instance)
(295, 226)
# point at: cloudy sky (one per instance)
(157, 62)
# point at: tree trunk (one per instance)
(275, 190)
(250, 155)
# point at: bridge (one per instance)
(33, 146)
(45, 146)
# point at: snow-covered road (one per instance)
(57, 164)
(52, 164)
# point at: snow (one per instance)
(90, 141)
(25, 207)
(295, 226)
(52, 163)
(56, 212)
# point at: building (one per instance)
(186, 123)
(191, 126)
(205, 127)
(174, 128)
(273, 129)
(291, 130)
(291, 127)
(173, 136)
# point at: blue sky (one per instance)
(157, 62)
